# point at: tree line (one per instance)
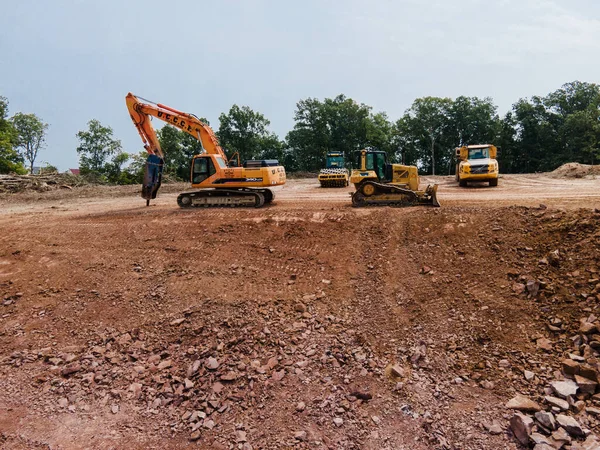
(538, 134)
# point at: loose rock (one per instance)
(546, 419)
(522, 403)
(212, 364)
(558, 402)
(565, 388)
(570, 425)
(300, 435)
(521, 426)
(585, 385)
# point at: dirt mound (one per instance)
(575, 170)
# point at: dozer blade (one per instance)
(432, 191)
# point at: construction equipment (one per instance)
(378, 182)
(219, 181)
(477, 163)
(335, 173)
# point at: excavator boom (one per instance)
(141, 110)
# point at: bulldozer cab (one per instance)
(376, 161)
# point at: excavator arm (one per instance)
(140, 111)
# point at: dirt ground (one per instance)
(305, 324)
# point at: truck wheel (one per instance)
(494, 182)
(462, 183)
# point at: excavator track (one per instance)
(211, 198)
(371, 193)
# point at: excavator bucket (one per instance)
(152, 177)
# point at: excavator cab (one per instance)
(202, 168)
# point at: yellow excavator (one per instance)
(377, 182)
(217, 180)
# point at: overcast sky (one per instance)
(71, 61)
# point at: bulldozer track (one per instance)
(406, 197)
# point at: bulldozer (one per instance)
(378, 182)
(335, 173)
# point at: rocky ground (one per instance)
(308, 324)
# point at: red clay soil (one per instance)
(306, 324)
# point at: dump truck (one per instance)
(477, 163)
(335, 173)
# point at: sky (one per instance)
(72, 61)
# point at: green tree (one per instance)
(178, 148)
(135, 169)
(432, 127)
(10, 160)
(406, 142)
(170, 139)
(573, 116)
(337, 124)
(31, 136)
(96, 146)
(113, 170)
(428, 123)
(48, 168)
(309, 140)
(347, 122)
(380, 134)
(556, 129)
(246, 131)
(581, 131)
(509, 155)
(473, 120)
